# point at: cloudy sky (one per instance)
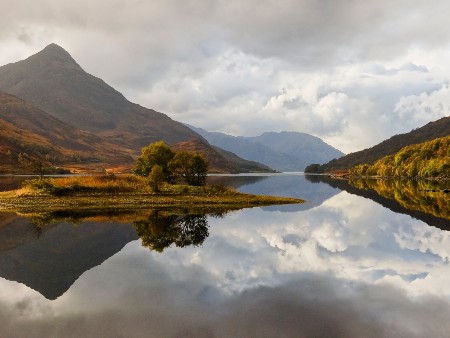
(352, 72)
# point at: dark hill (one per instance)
(391, 146)
(26, 129)
(285, 151)
(52, 81)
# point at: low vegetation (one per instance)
(122, 192)
(427, 160)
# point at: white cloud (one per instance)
(351, 72)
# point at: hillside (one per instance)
(285, 151)
(428, 159)
(428, 132)
(55, 84)
(27, 129)
(53, 81)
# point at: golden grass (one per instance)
(124, 192)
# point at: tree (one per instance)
(37, 163)
(155, 177)
(189, 167)
(157, 153)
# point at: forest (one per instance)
(428, 159)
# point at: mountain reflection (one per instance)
(422, 199)
(48, 253)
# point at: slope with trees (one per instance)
(428, 132)
(428, 159)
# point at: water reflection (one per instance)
(48, 253)
(162, 229)
(347, 267)
(290, 184)
(424, 200)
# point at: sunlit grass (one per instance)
(125, 192)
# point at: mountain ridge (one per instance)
(284, 151)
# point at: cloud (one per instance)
(322, 67)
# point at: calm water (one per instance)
(340, 265)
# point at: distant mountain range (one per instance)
(284, 151)
(391, 146)
(77, 115)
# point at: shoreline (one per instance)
(11, 202)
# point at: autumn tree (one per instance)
(189, 167)
(155, 177)
(157, 153)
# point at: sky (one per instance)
(352, 72)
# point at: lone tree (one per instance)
(189, 167)
(157, 153)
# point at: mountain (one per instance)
(220, 160)
(53, 81)
(55, 85)
(426, 133)
(285, 151)
(26, 129)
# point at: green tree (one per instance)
(191, 168)
(157, 153)
(155, 177)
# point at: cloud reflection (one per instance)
(347, 268)
(163, 303)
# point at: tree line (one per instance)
(428, 159)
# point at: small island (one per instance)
(125, 192)
(162, 179)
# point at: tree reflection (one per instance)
(422, 199)
(424, 196)
(158, 229)
(162, 229)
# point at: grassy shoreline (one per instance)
(125, 192)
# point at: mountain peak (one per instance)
(54, 52)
